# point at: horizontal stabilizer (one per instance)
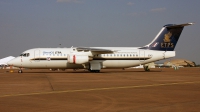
(176, 26)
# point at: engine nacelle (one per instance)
(77, 59)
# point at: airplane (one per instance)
(96, 58)
(3, 61)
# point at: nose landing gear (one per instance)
(20, 71)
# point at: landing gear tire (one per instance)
(146, 68)
(53, 69)
(95, 71)
(20, 71)
(63, 69)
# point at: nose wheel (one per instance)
(20, 71)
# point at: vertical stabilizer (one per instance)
(167, 38)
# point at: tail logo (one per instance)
(167, 37)
(167, 41)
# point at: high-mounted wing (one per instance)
(95, 50)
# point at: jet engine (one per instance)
(77, 59)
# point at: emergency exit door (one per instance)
(142, 55)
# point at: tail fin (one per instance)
(167, 38)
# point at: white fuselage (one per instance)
(96, 58)
(123, 57)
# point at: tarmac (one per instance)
(111, 90)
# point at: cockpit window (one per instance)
(25, 54)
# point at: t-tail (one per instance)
(167, 38)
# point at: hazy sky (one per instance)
(26, 24)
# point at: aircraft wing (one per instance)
(95, 50)
(3, 64)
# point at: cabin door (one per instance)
(37, 55)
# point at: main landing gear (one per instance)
(94, 67)
(146, 68)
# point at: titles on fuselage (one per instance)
(51, 52)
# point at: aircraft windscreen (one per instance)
(24, 54)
